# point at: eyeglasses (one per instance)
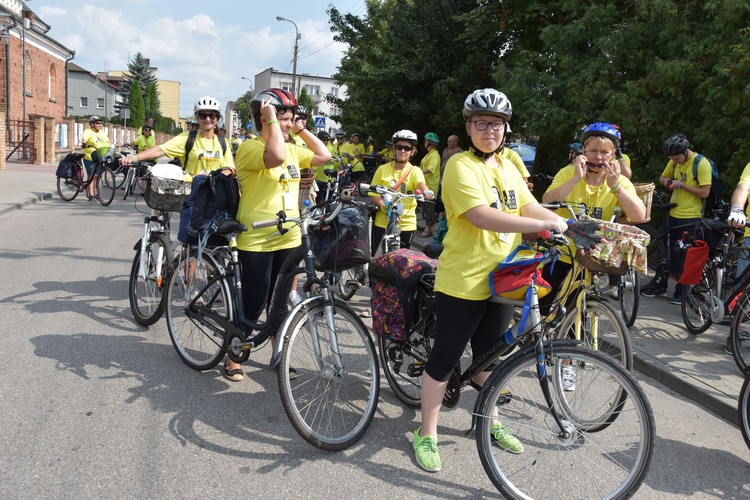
(399, 147)
(482, 125)
(206, 116)
(97, 123)
(593, 165)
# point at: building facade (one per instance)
(317, 88)
(90, 94)
(34, 66)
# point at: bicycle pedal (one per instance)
(415, 369)
(505, 397)
(452, 391)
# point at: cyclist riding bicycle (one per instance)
(268, 169)
(488, 207)
(94, 138)
(145, 139)
(399, 175)
(688, 193)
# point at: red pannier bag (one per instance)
(688, 260)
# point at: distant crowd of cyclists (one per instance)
(483, 197)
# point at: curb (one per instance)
(25, 203)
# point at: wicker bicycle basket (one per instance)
(166, 194)
(624, 248)
(645, 191)
(307, 178)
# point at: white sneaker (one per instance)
(294, 298)
(568, 378)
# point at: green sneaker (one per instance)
(426, 451)
(507, 441)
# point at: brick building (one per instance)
(45, 65)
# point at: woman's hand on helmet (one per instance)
(267, 110)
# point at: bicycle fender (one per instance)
(137, 245)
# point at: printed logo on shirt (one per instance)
(496, 197)
(293, 171)
(510, 199)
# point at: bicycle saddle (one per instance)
(433, 250)
(231, 226)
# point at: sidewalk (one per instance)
(695, 366)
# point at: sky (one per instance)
(207, 46)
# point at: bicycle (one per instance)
(606, 414)
(333, 398)
(135, 178)
(153, 261)
(599, 326)
(743, 408)
(120, 171)
(73, 182)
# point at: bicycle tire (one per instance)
(147, 297)
(629, 292)
(199, 345)
(330, 408)
(105, 186)
(653, 253)
(610, 463)
(404, 361)
(68, 189)
(696, 306)
(421, 222)
(119, 175)
(613, 336)
(351, 280)
(129, 179)
(739, 332)
(743, 410)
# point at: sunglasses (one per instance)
(593, 165)
(399, 147)
(205, 116)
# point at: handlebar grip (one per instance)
(545, 234)
(265, 223)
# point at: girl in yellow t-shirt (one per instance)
(402, 176)
(488, 205)
(93, 138)
(268, 169)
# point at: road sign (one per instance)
(249, 125)
(320, 122)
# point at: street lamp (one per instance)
(296, 47)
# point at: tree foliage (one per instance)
(137, 107)
(242, 107)
(151, 100)
(655, 67)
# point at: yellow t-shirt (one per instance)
(745, 179)
(516, 160)
(370, 150)
(320, 169)
(688, 206)
(431, 162)
(266, 191)
(386, 154)
(353, 150)
(386, 175)
(471, 253)
(93, 141)
(205, 156)
(142, 142)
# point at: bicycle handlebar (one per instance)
(310, 221)
(381, 190)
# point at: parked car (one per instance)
(527, 153)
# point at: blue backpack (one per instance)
(713, 200)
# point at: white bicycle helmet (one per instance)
(207, 103)
(487, 102)
(405, 135)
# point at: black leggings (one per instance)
(459, 321)
(379, 232)
(259, 272)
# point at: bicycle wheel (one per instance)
(197, 341)
(403, 362)
(743, 409)
(146, 290)
(68, 189)
(612, 336)
(697, 302)
(119, 175)
(629, 292)
(739, 332)
(105, 186)
(609, 463)
(351, 281)
(654, 254)
(420, 217)
(128, 185)
(330, 403)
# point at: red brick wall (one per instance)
(38, 65)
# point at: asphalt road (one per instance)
(95, 406)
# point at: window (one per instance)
(52, 83)
(286, 86)
(312, 89)
(100, 103)
(84, 102)
(334, 91)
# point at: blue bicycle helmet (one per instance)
(603, 129)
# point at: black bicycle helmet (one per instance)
(279, 98)
(601, 129)
(487, 102)
(676, 145)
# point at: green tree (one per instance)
(139, 71)
(151, 100)
(306, 101)
(242, 107)
(137, 107)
